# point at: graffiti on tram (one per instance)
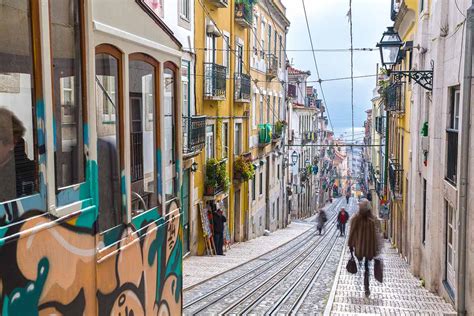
(51, 267)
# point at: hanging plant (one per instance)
(244, 170)
(217, 178)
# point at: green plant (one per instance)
(424, 129)
(243, 169)
(216, 175)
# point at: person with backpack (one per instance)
(342, 219)
(321, 219)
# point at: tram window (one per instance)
(108, 140)
(18, 162)
(169, 156)
(67, 83)
(142, 134)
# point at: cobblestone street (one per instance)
(400, 293)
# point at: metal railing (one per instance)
(242, 87)
(194, 133)
(215, 81)
(395, 173)
(395, 100)
(452, 158)
(220, 3)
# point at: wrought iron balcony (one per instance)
(194, 134)
(395, 174)
(242, 87)
(292, 91)
(272, 66)
(244, 13)
(220, 3)
(395, 98)
(264, 134)
(215, 81)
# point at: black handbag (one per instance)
(378, 270)
(351, 266)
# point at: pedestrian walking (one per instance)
(219, 219)
(321, 219)
(348, 195)
(342, 219)
(364, 238)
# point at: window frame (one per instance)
(40, 197)
(84, 96)
(139, 56)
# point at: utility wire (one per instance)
(352, 66)
(322, 50)
(307, 81)
(316, 64)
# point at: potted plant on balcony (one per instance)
(216, 177)
(244, 170)
(279, 127)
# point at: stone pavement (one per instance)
(197, 269)
(400, 293)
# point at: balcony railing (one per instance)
(242, 87)
(395, 99)
(452, 159)
(220, 3)
(395, 174)
(214, 81)
(272, 66)
(244, 13)
(264, 134)
(194, 135)
(292, 91)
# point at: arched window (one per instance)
(169, 150)
(109, 105)
(143, 78)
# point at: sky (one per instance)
(330, 29)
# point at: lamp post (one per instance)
(390, 46)
(294, 157)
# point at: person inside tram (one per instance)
(17, 171)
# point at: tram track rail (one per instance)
(218, 294)
(242, 307)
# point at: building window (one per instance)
(254, 111)
(209, 141)
(261, 109)
(262, 36)
(269, 39)
(238, 139)
(255, 38)
(422, 5)
(239, 59)
(423, 237)
(225, 140)
(142, 84)
(184, 9)
(280, 49)
(260, 184)
(18, 137)
(169, 130)
(452, 137)
(109, 137)
(254, 188)
(226, 52)
(275, 44)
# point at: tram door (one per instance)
(450, 246)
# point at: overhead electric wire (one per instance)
(323, 50)
(308, 81)
(352, 66)
(316, 64)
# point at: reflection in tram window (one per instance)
(18, 173)
(142, 136)
(108, 140)
(67, 76)
(169, 130)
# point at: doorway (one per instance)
(450, 246)
(185, 206)
(237, 216)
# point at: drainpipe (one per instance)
(464, 163)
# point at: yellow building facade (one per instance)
(222, 91)
(398, 110)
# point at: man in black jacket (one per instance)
(218, 220)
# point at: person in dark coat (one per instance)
(342, 219)
(364, 239)
(321, 219)
(218, 220)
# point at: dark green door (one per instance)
(185, 205)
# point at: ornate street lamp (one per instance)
(294, 157)
(390, 46)
(194, 167)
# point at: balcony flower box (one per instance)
(244, 170)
